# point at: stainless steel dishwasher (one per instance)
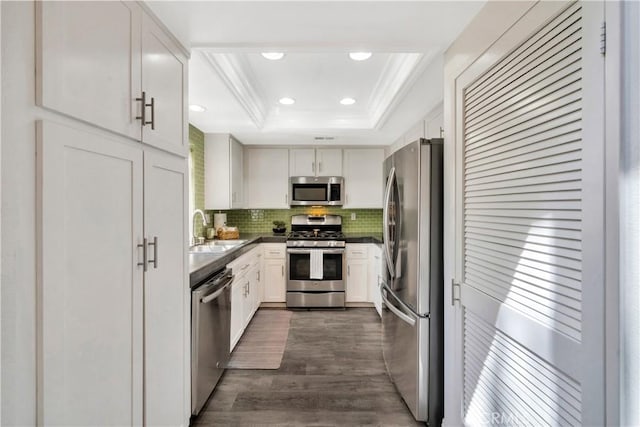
(210, 335)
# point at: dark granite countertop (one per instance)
(364, 238)
(202, 265)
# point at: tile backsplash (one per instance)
(261, 220)
(196, 147)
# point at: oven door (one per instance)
(299, 268)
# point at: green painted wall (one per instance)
(196, 146)
(260, 220)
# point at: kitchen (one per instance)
(95, 216)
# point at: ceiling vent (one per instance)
(324, 138)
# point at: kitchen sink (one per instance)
(216, 247)
(230, 243)
(207, 249)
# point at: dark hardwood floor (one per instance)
(332, 374)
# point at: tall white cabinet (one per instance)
(90, 352)
(113, 296)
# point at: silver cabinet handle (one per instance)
(145, 260)
(258, 275)
(155, 252)
(282, 270)
(286, 199)
(143, 116)
(348, 270)
(245, 267)
(313, 167)
(153, 113)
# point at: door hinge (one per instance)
(603, 38)
(455, 284)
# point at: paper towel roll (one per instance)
(219, 220)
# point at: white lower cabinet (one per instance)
(245, 291)
(375, 276)
(237, 310)
(357, 272)
(275, 279)
(113, 330)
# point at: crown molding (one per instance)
(397, 76)
(236, 74)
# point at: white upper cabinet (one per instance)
(329, 162)
(363, 177)
(302, 162)
(267, 173)
(90, 75)
(164, 84)
(223, 172)
(315, 162)
(96, 59)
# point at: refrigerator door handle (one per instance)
(402, 316)
(385, 222)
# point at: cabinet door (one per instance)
(250, 298)
(275, 282)
(90, 349)
(237, 310)
(329, 161)
(267, 178)
(302, 162)
(164, 81)
(356, 286)
(237, 175)
(375, 264)
(363, 177)
(88, 62)
(166, 290)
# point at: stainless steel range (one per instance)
(315, 260)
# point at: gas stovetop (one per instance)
(316, 231)
(316, 234)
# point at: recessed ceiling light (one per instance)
(197, 108)
(287, 101)
(274, 56)
(359, 56)
(347, 101)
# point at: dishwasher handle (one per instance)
(210, 297)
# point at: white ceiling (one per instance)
(395, 88)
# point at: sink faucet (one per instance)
(194, 240)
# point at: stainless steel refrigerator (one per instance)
(412, 320)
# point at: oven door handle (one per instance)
(308, 251)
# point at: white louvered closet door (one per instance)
(531, 229)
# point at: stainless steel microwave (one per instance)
(316, 190)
